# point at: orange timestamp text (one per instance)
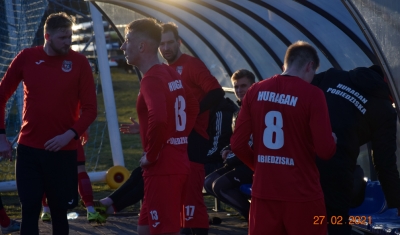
(338, 220)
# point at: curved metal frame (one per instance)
(302, 29)
(274, 56)
(194, 31)
(342, 27)
(223, 33)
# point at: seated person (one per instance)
(225, 182)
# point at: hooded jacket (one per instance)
(361, 111)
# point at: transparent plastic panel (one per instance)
(267, 66)
(252, 48)
(114, 10)
(340, 12)
(342, 48)
(288, 30)
(383, 19)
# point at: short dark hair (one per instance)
(148, 27)
(300, 53)
(170, 27)
(56, 21)
(241, 73)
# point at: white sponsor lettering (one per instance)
(178, 141)
(348, 97)
(353, 92)
(277, 98)
(276, 160)
(175, 85)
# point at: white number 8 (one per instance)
(180, 115)
(274, 123)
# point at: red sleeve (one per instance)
(87, 99)
(9, 84)
(241, 135)
(154, 96)
(202, 77)
(320, 125)
(192, 109)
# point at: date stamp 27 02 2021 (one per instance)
(338, 220)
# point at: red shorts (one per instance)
(194, 211)
(81, 153)
(287, 218)
(162, 203)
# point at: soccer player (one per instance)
(84, 188)
(208, 93)
(58, 82)
(289, 121)
(225, 182)
(166, 115)
(360, 111)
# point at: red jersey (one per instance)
(166, 116)
(289, 120)
(200, 81)
(54, 86)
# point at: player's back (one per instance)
(290, 124)
(168, 107)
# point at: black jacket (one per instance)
(360, 111)
(220, 129)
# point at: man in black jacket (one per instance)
(360, 112)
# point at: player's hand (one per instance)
(130, 128)
(144, 162)
(334, 137)
(59, 141)
(225, 154)
(84, 137)
(5, 147)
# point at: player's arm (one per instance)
(154, 96)
(208, 83)
(241, 134)
(8, 85)
(321, 130)
(384, 127)
(221, 133)
(192, 109)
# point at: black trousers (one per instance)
(131, 192)
(225, 183)
(336, 178)
(55, 173)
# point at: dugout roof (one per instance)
(254, 34)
